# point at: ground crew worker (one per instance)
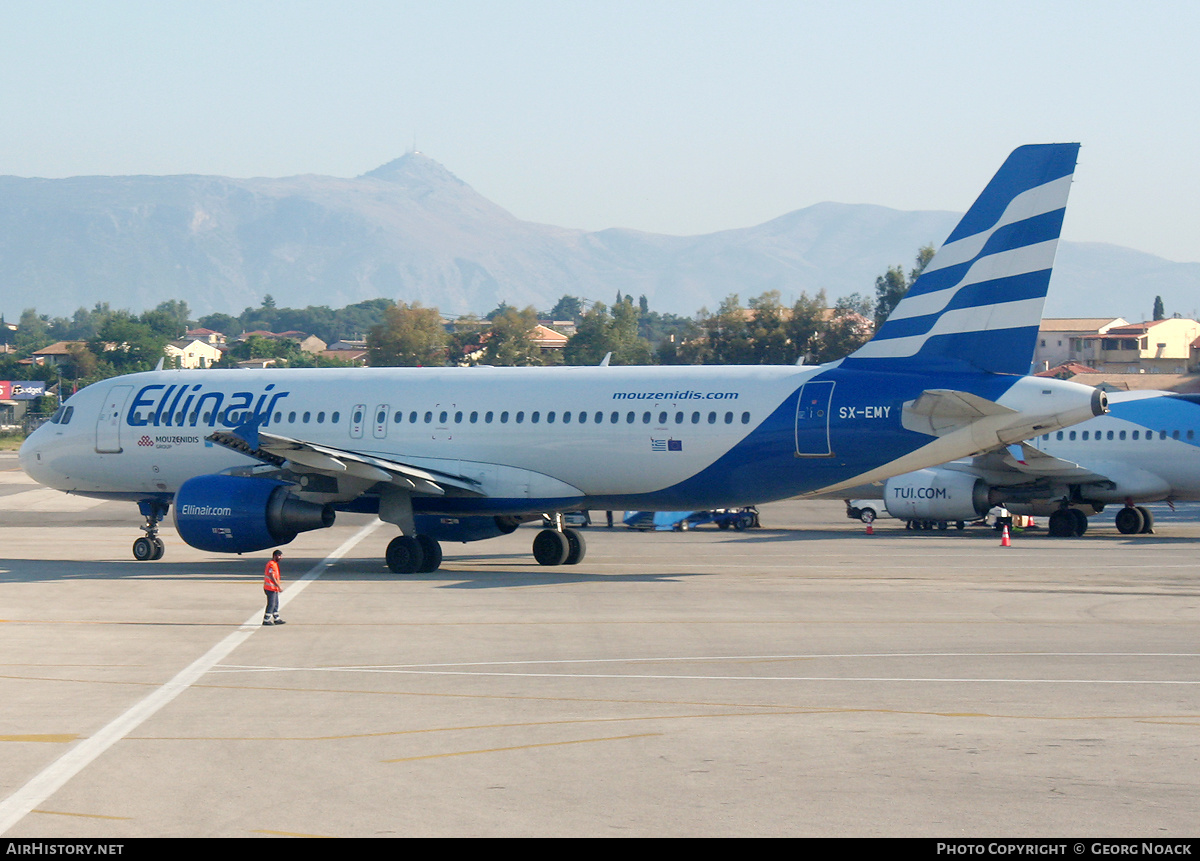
(272, 588)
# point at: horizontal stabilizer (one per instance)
(938, 412)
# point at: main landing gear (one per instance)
(413, 554)
(559, 547)
(1134, 520)
(420, 554)
(150, 546)
(1067, 523)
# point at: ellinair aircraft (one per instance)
(249, 459)
(1146, 449)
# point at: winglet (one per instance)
(979, 301)
(248, 430)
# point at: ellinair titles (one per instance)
(463, 454)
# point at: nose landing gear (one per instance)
(150, 546)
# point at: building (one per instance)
(1151, 347)
(193, 353)
(1061, 339)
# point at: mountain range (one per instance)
(411, 230)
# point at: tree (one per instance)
(892, 286)
(507, 341)
(409, 336)
(1159, 311)
(600, 332)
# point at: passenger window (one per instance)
(442, 416)
(1072, 435)
(746, 421)
(428, 416)
(567, 417)
(278, 417)
(696, 418)
(307, 416)
(1110, 434)
(662, 418)
(1084, 435)
(520, 417)
(321, 417)
(728, 418)
(396, 419)
(646, 418)
(712, 418)
(534, 416)
(1135, 434)
(550, 417)
(488, 417)
(458, 417)
(629, 418)
(1175, 434)
(292, 418)
(614, 417)
(335, 417)
(678, 418)
(474, 417)
(504, 417)
(1121, 435)
(1059, 435)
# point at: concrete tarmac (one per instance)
(803, 679)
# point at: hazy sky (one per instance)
(673, 117)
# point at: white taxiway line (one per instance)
(14, 808)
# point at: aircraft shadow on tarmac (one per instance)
(482, 572)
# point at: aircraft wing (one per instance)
(1023, 462)
(306, 457)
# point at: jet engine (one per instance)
(234, 514)
(936, 494)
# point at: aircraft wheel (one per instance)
(1062, 524)
(1130, 521)
(1148, 518)
(159, 548)
(551, 547)
(576, 547)
(143, 549)
(960, 525)
(722, 524)
(1081, 522)
(432, 552)
(942, 525)
(404, 555)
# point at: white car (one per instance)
(866, 510)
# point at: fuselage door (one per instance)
(357, 416)
(812, 419)
(381, 421)
(108, 424)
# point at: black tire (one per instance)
(1062, 524)
(1081, 522)
(159, 548)
(143, 549)
(404, 555)
(432, 552)
(1129, 521)
(550, 547)
(1148, 520)
(576, 547)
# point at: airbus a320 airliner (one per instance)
(248, 459)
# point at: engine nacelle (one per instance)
(936, 494)
(234, 514)
(465, 529)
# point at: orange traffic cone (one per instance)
(1005, 541)
(870, 528)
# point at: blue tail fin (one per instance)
(979, 301)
